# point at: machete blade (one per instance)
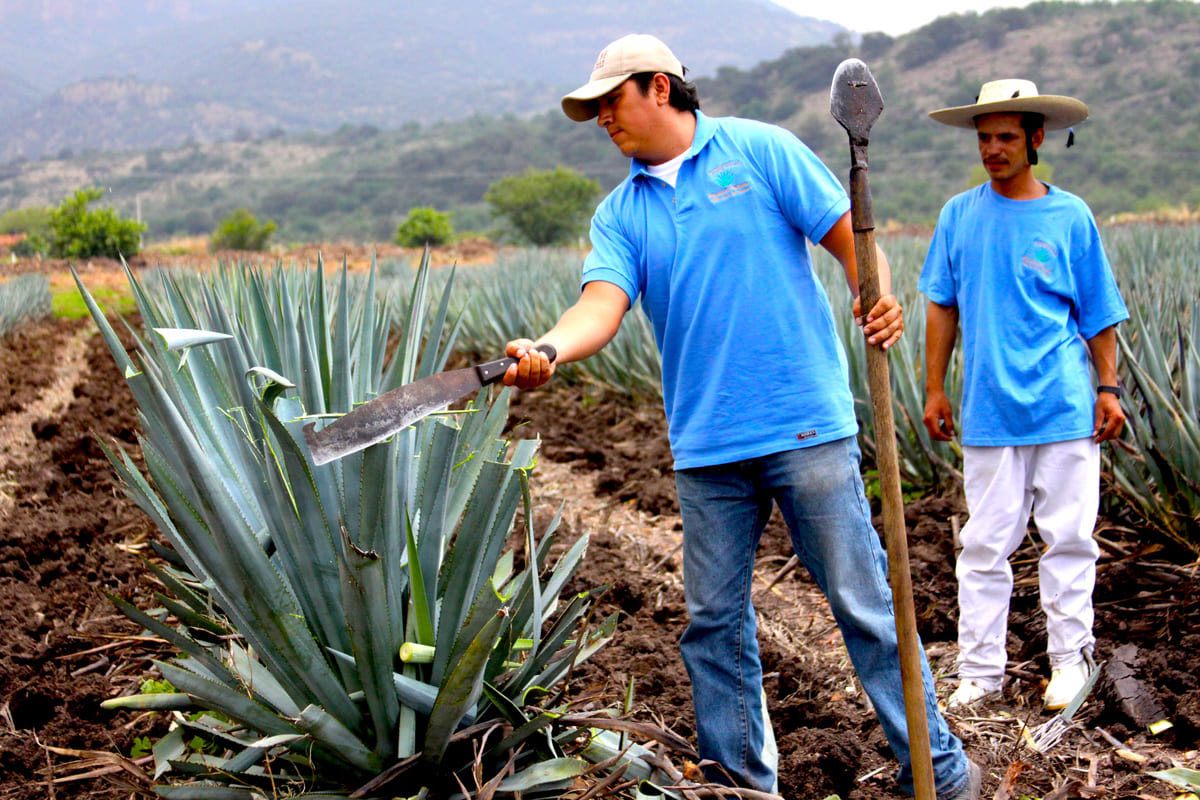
(854, 98)
(393, 411)
(390, 412)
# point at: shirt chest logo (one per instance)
(1041, 258)
(726, 181)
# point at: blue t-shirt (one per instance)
(1031, 282)
(752, 364)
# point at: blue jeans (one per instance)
(819, 491)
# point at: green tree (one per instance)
(76, 232)
(544, 206)
(424, 226)
(993, 31)
(241, 230)
(874, 45)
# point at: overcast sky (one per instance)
(893, 17)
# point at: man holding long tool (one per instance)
(710, 230)
(1019, 264)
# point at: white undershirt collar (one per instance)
(668, 170)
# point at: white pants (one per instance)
(1060, 484)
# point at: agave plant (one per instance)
(1155, 467)
(345, 626)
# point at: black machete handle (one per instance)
(493, 371)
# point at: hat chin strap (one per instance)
(1030, 128)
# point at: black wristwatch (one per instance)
(1111, 390)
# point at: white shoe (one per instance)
(969, 693)
(1065, 683)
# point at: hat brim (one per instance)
(581, 104)
(1060, 112)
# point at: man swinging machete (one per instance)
(710, 231)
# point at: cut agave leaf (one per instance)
(182, 338)
(544, 775)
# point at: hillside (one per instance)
(54, 43)
(1134, 63)
(15, 93)
(137, 73)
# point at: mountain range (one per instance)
(116, 74)
(1134, 63)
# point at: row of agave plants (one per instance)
(1156, 468)
(1153, 469)
(23, 298)
(380, 626)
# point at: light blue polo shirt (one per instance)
(752, 363)
(1031, 282)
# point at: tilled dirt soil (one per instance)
(68, 535)
(1147, 610)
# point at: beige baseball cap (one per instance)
(1015, 95)
(624, 58)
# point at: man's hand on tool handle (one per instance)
(884, 324)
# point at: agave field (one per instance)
(488, 603)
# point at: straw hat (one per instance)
(1015, 95)
(617, 63)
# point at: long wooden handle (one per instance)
(888, 461)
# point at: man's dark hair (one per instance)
(684, 96)
(1031, 122)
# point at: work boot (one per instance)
(1065, 683)
(968, 693)
(974, 785)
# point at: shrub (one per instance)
(31, 220)
(34, 222)
(544, 206)
(424, 226)
(32, 245)
(241, 230)
(76, 232)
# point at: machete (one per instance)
(855, 102)
(392, 411)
